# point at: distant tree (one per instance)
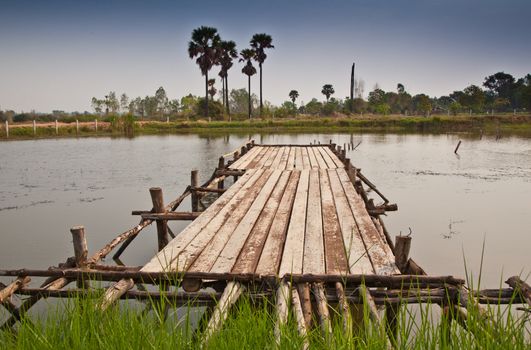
(473, 98)
(422, 104)
(111, 103)
(188, 104)
(205, 45)
(238, 100)
(287, 108)
(313, 107)
(124, 102)
(259, 43)
(227, 54)
(293, 95)
(400, 88)
(500, 83)
(455, 107)
(247, 55)
(162, 101)
(97, 104)
(150, 104)
(328, 90)
(173, 107)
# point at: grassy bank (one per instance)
(519, 124)
(252, 327)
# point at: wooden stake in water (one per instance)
(457, 148)
(80, 251)
(194, 182)
(162, 225)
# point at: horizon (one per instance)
(58, 55)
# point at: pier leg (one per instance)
(162, 225)
(402, 247)
(322, 309)
(301, 323)
(283, 297)
(80, 251)
(221, 166)
(194, 177)
(306, 303)
(344, 309)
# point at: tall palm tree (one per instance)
(249, 70)
(293, 95)
(204, 45)
(259, 43)
(328, 90)
(227, 54)
(212, 89)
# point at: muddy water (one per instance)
(452, 204)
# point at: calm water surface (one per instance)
(451, 203)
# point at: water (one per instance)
(451, 203)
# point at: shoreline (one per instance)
(491, 124)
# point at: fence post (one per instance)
(7, 129)
(56, 127)
(34, 127)
(77, 126)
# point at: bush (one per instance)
(215, 109)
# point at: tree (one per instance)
(259, 43)
(293, 95)
(162, 101)
(188, 104)
(212, 90)
(227, 54)
(238, 101)
(328, 90)
(173, 107)
(400, 88)
(500, 83)
(313, 107)
(205, 45)
(124, 102)
(249, 70)
(97, 105)
(111, 103)
(422, 104)
(473, 98)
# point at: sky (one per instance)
(57, 55)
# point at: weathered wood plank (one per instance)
(314, 256)
(292, 257)
(291, 159)
(271, 158)
(175, 247)
(251, 251)
(335, 258)
(321, 164)
(311, 158)
(298, 158)
(237, 238)
(207, 251)
(357, 256)
(305, 158)
(257, 161)
(337, 161)
(278, 158)
(329, 162)
(273, 248)
(379, 252)
(242, 162)
(284, 160)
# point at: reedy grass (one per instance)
(79, 323)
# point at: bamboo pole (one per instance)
(282, 301)
(115, 292)
(230, 295)
(306, 303)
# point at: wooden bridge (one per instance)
(296, 227)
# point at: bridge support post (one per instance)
(162, 225)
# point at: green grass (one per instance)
(78, 323)
(520, 124)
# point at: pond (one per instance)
(453, 204)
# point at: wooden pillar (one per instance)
(162, 225)
(7, 129)
(34, 127)
(194, 182)
(96, 124)
(248, 145)
(344, 154)
(243, 150)
(80, 251)
(221, 166)
(56, 127)
(402, 247)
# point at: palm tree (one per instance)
(293, 95)
(259, 43)
(248, 69)
(328, 90)
(205, 45)
(227, 54)
(212, 90)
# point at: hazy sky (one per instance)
(58, 54)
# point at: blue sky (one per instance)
(58, 54)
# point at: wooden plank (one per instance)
(291, 159)
(292, 256)
(272, 156)
(311, 157)
(335, 258)
(273, 248)
(314, 256)
(358, 259)
(305, 158)
(207, 251)
(242, 162)
(379, 252)
(284, 160)
(236, 239)
(278, 158)
(298, 158)
(337, 161)
(329, 162)
(257, 161)
(216, 211)
(321, 164)
(251, 251)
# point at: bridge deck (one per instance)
(294, 210)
